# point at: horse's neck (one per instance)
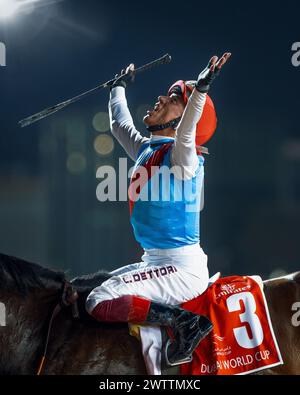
(281, 294)
(25, 330)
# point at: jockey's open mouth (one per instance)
(156, 108)
(164, 106)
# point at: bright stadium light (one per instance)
(8, 8)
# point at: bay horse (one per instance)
(30, 292)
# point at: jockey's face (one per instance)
(165, 109)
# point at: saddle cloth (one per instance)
(242, 340)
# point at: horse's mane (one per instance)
(87, 282)
(20, 275)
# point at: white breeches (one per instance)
(170, 276)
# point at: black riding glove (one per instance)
(125, 78)
(206, 77)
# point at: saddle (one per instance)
(241, 342)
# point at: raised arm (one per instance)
(184, 155)
(121, 123)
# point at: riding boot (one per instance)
(188, 329)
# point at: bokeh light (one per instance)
(101, 122)
(291, 149)
(104, 144)
(76, 163)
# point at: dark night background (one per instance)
(49, 213)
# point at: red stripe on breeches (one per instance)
(126, 308)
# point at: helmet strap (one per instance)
(171, 124)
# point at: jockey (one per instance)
(173, 267)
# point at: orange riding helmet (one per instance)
(207, 124)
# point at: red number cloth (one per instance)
(242, 340)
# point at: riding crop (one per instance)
(51, 110)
